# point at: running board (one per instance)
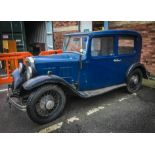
(91, 93)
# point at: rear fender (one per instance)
(141, 67)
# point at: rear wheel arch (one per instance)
(143, 70)
(137, 66)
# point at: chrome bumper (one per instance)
(13, 100)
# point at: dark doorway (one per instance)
(97, 25)
(35, 36)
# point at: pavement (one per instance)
(116, 112)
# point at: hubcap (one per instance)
(50, 104)
(47, 103)
(134, 78)
(134, 82)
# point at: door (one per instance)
(102, 70)
(127, 54)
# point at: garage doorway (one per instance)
(39, 36)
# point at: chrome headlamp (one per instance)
(21, 68)
(28, 72)
(31, 60)
(29, 67)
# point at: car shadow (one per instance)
(135, 115)
(76, 105)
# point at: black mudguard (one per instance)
(49, 79)
(141, 66)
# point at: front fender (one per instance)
(48, 79)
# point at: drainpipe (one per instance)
(12, 30)
(53, 35)
(79, 26)
(106, 25)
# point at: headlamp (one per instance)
(28, 72)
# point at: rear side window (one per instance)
(102, 46)
(126, 45)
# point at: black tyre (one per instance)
(46, 103)
(134, 81)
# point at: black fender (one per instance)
(140, 66)
(38, 81)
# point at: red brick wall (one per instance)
(147, 30)
(63, 27)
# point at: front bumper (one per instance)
(14, 100)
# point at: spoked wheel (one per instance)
(134, 81)
(46, 104)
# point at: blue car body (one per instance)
(106, 61)
(96, 72)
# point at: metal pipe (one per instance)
(23, 43)
(11, 30)
(106, 25)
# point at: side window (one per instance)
(102, 46)
(126, 45)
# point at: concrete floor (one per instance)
(116, 111)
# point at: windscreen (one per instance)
(75, 43)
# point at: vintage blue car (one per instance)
(91, 64)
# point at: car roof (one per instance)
(112, 32)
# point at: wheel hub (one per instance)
(47, 103)
(50, 104)
(135, 79)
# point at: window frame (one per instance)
(104, 56)
(77, 36)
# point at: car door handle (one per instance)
(117, 60)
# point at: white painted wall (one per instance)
(49, 35)
(86, 26)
